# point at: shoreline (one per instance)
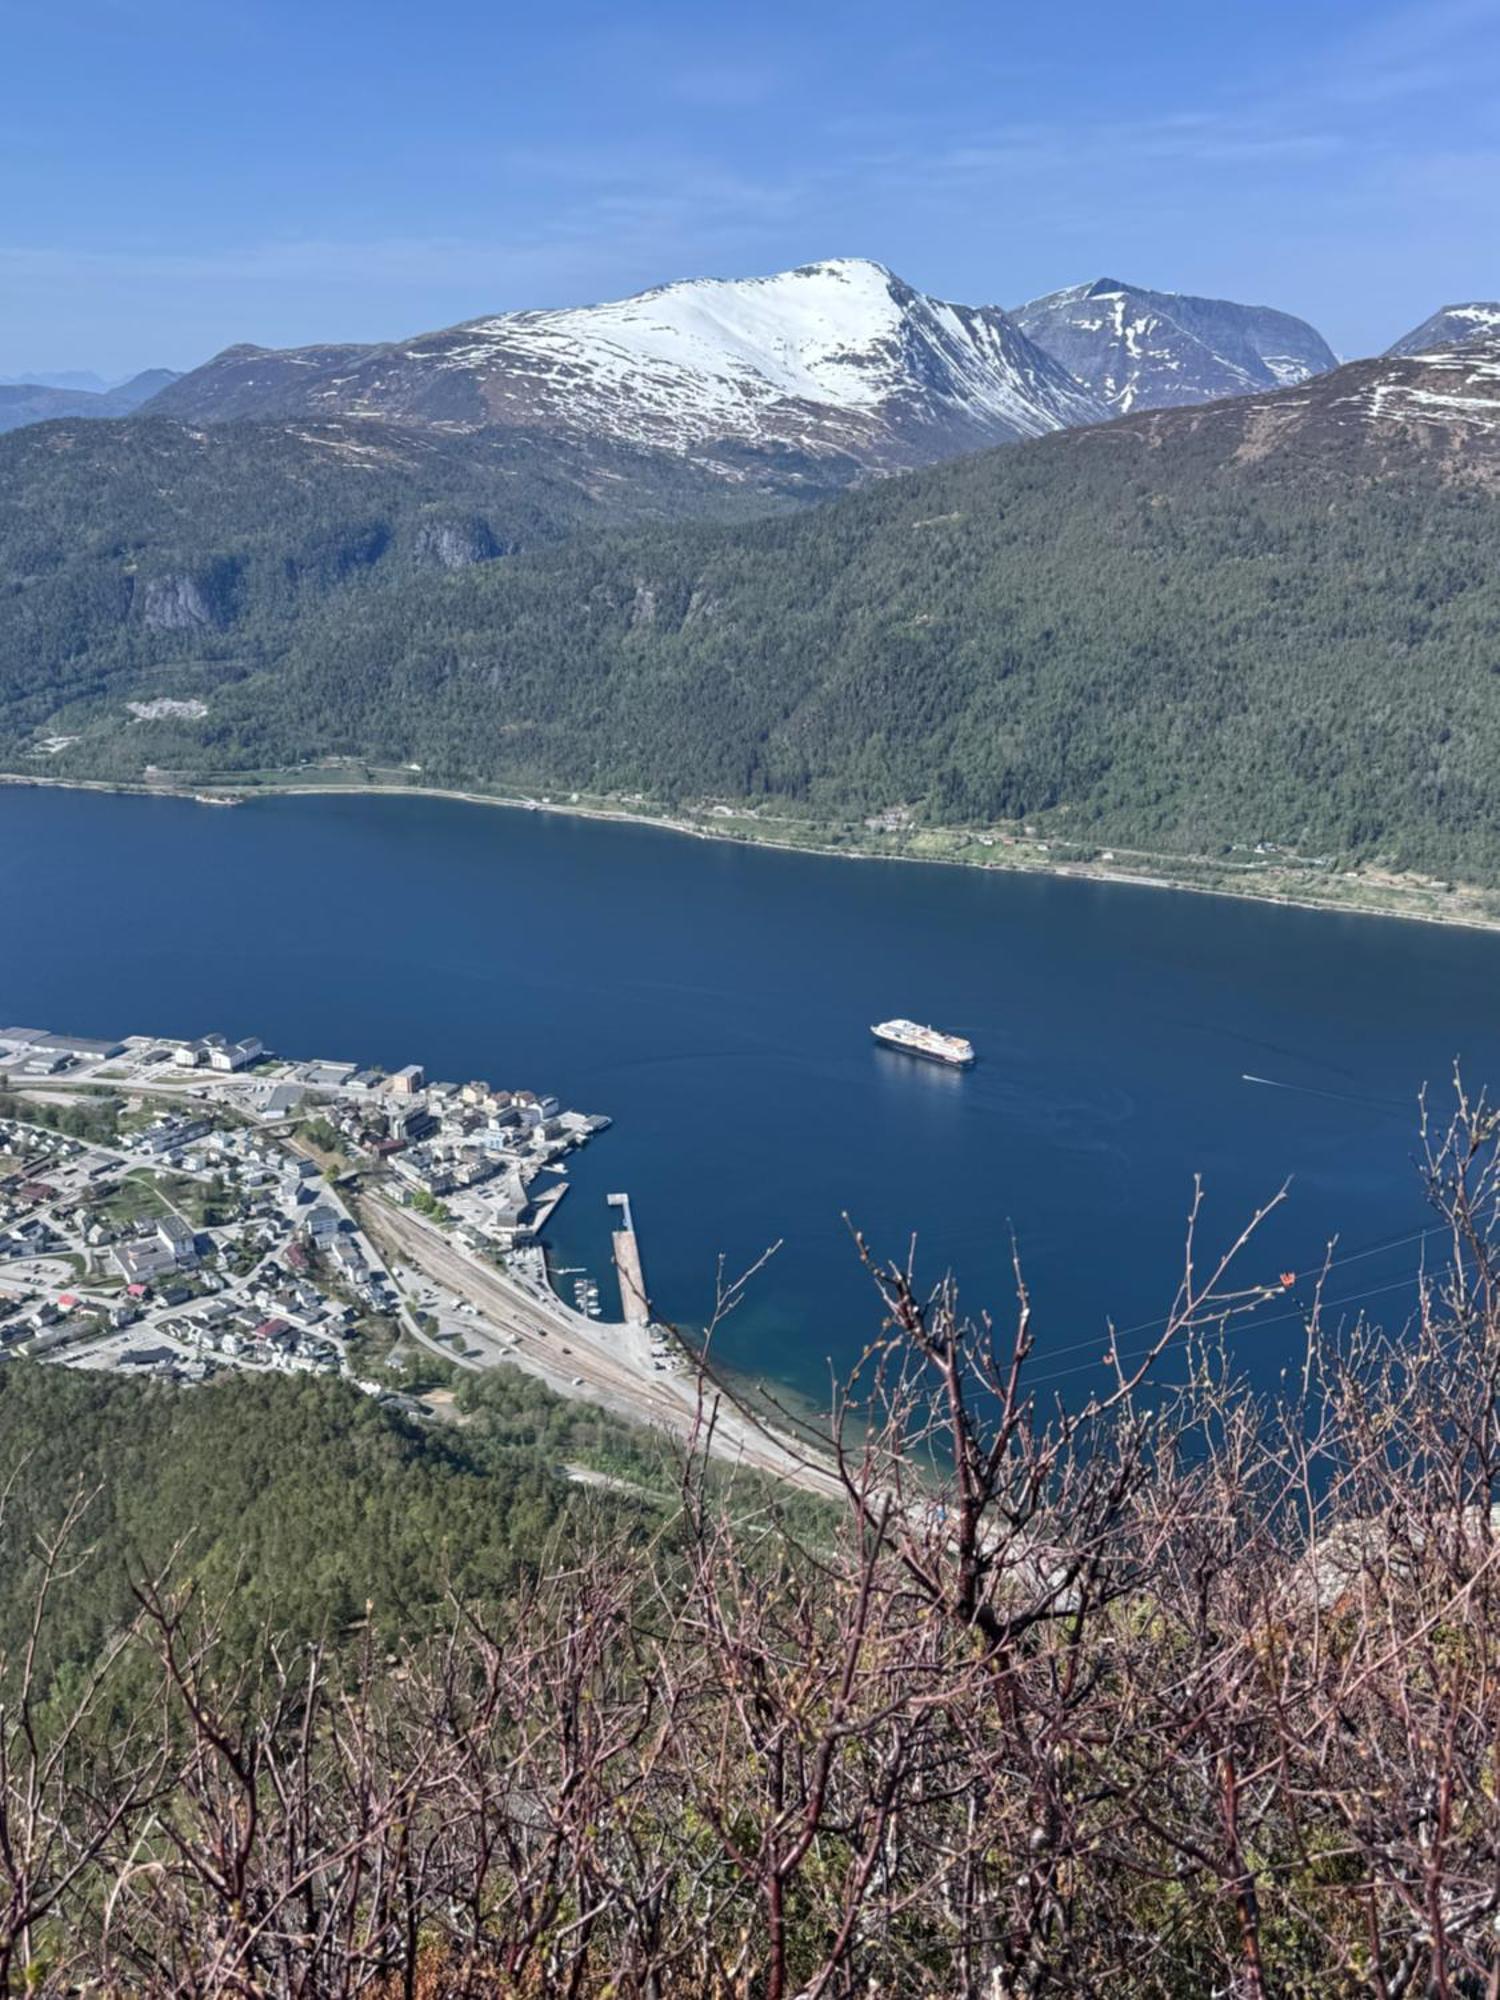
(230, 792)
(611, 1358)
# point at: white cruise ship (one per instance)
(919, 1041)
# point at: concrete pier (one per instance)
(635, 1307)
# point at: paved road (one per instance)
(607, 1362)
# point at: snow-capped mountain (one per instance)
(1449, 327)
(836, 361)
(1144, 350)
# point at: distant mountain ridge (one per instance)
(1138, 349)
(137, 391)
(1451, 326)
(840, 363)
(838, 360)
(24, 403)
(63, 378)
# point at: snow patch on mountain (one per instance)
(833, 359)
(1143, 350)
(838, 355)
(1457, 389)
(805, 333)
(1450, 327)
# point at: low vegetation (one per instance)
(1176, 1692)
(93, 1116)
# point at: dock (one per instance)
(635, 1307)
(545, 1204)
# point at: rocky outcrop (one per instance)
(174, 602)
(455, 544)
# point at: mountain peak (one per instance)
(1139, 349)
(838, 360)
(1451, 326)
(842, 267)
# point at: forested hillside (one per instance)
(1272, 619)
(302, 1503)
(130, 547)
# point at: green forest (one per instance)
(1141, 634)
(299, 1504)
(136, 554)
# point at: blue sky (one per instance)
(179, 174)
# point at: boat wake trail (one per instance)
(1338, 1096)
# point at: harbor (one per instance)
(186, 1207)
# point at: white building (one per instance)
(234, 1055)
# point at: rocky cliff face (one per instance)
(172, 603)
(454, 544)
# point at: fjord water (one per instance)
(715, 1002)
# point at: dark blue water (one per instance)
(715, 1002)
